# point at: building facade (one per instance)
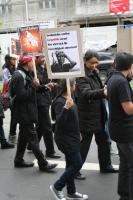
(14, 13)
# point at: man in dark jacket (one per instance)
(90, 96)
(23, 91)
(120, 98)
(44, 100)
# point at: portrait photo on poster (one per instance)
(62, 63)
(30, 39)
(63, 51)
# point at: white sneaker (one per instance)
(57, 194)
(77, 196)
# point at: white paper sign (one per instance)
(62, 48)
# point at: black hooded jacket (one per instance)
(43, 94)
(90, 95)
(24, 105)
(67, 132)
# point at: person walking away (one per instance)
(120, 97)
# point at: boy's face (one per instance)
(40, 60)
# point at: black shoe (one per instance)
(47, 168)
(23, 164)
(7, 145)
(109, 169)
(54, 155)
(77, 196)
(80, 176)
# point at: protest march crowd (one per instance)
(75, 118)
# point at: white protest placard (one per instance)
(63, 51)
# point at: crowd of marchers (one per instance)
(74, 120)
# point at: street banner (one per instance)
(30, 39)
(63, 51)
(47, 24)
(119, 6)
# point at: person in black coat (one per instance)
(90, 95)
(24, 107)
(44, 100)
(67, 137)
(4, 143)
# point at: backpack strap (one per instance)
(23, 75)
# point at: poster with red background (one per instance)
(30, 39)
(119, 6)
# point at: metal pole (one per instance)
(27, 10)
(118, 20)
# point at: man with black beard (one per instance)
(24, 107)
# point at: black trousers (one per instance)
(44, 128)
(102, 144)
(13, 125)
(28, 135)
(125, 180)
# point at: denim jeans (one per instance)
(73, 165)
(125, 180)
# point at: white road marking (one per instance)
(86, 166)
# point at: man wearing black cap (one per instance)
(23, 92)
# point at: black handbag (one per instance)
(5, 102)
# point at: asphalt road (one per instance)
(30, 184)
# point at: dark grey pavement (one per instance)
(30, 184)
